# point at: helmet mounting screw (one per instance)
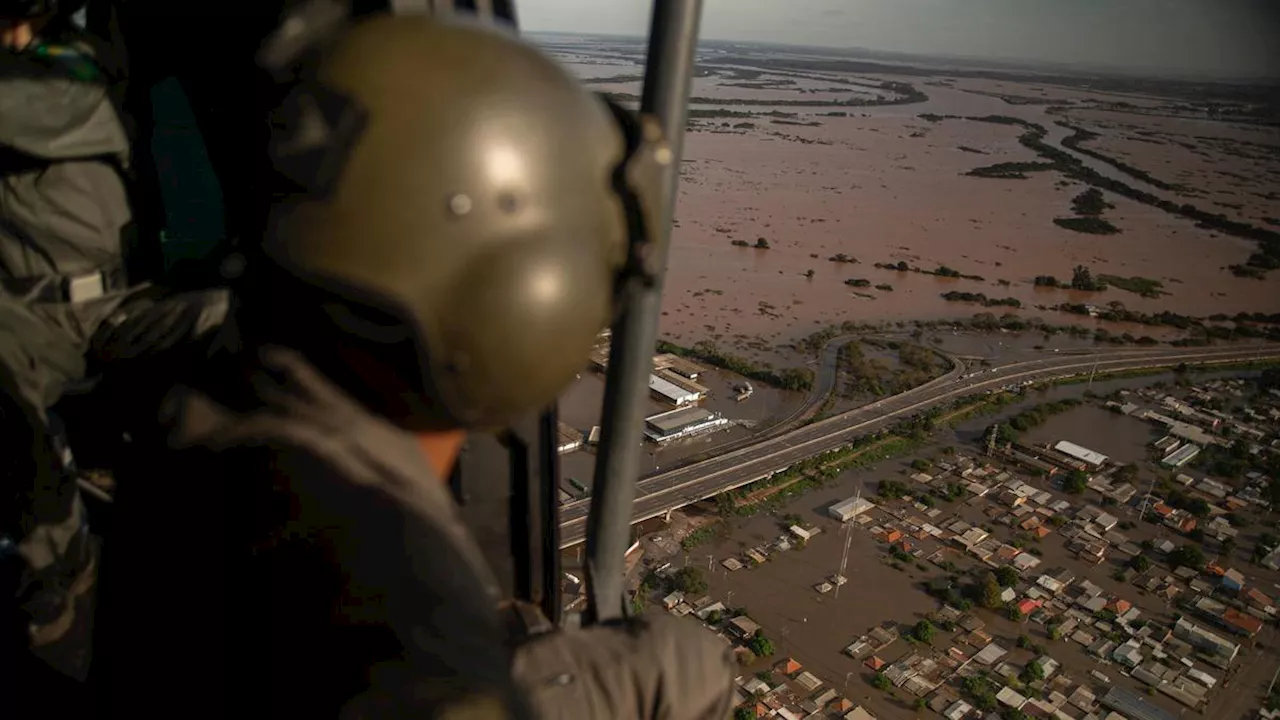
(459, 204)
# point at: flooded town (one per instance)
(1100, 547)
(1017, 570)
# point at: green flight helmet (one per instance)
(478, 196)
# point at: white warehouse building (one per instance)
(671, 393)
(846, 510)
(1081, 453)
(682, 422)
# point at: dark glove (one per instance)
(155, 324)
(647, 669)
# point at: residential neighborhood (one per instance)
(1050, 581)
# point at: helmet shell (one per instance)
(478, 200)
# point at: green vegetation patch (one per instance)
(1146, 287)
(1090, 203)
(1010, 170)
(1089, 225)
(981, 299)
(800, 379)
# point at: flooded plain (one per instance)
(794, 158)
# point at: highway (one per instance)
(679, 487)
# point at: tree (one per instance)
(881, 681)
(690, 581)
(920, 704)
(1127, 473)
(1228, 545)
(1055, 632)
(1081, 278)
(714, 617)
(923, 631)
(1076, 483)
(1188, 555)
(1199, 507)
(1007, 576)
(1140, 563)
(760, 645)
(744, 713)
(990, 592)
(1033, 672)
(1015, 614)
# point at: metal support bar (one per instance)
(673, 39)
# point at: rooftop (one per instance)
(675, 419)
(671, 391)
(1080, 452)
(1133, 706)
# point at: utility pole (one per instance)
(844, 556)
(1091, 373)
(1273, 682)
(1142, 513)
(849, 537)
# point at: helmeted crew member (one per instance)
(66, 307)
(445, 264)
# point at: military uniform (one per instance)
(65, 305)
(318, 568)
(451, 247)
(294, 556)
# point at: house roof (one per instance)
(1242, 621)
(1119, 606)
(790, 666)
(1257, 597)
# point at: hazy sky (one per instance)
(1216, 37)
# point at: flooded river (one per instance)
(880, 184)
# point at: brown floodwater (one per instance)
(883, 185)
(1122, 438)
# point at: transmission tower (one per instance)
(844, 555)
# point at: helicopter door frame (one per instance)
(668, 78)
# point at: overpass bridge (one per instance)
(682, 486)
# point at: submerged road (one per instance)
(676, 488)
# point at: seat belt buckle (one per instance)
(82, 288)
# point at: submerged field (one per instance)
(795, 160)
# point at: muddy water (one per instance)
(883, 185)
(1123, 439)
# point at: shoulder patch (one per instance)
(76, 59)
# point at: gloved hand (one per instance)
(664, 667)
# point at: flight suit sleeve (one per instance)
(392, 601)
(660, 668)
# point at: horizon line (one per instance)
(1145, 72)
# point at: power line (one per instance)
(848, 538)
